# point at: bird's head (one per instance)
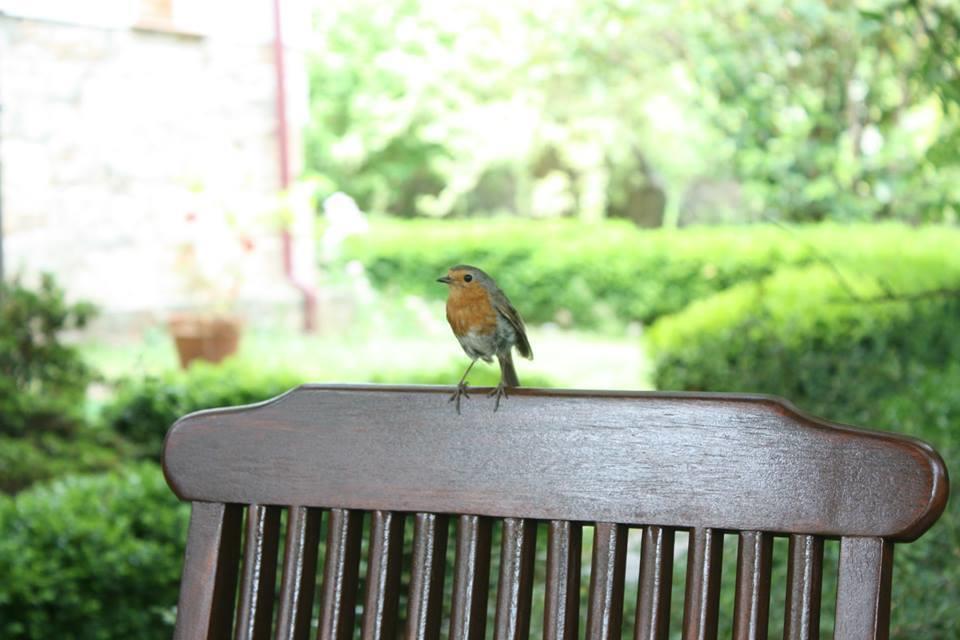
(464, 277)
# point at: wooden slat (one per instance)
(752, 604)
(654, 589)
(339, 594)
(561, 614)
(701, 602)
(259, 579)
(863, 589)
(804, 574)
(605, 611)
(383, 576)
(471, 579)
(514, 591)
(208, 587)
(299, 574)
(426, 579)
(664, 447)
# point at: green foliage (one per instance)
(815, 110)
(92, 558)
(610, 274)
(35, 458)
(143, 409)
(887, 364)
(44, 379)
(799, 334)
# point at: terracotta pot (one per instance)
(210, 338)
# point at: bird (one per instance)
(486, 325)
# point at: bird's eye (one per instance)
(467, 278)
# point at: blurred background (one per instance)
(205, 203)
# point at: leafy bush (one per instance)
(44, 379)
(143, 409)
(92, 558)
(609, 274)
(890, 365)
(800, 335)
(35, 458)
(924, 579)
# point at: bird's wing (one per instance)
(502, 304)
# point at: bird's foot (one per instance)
(461, 391)
(500, 391)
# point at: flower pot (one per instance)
(210, 338)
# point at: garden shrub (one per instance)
(43, 379)
(605, 275)
(883, 364)
(92, 558)
(799, 334)
(35, 458)
(144, 408)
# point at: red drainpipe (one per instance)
(283, 143)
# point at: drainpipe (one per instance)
(305, 288)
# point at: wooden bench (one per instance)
(645, 464)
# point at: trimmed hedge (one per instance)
(798, 334)
(92, 558)
(38, 457)
(890, 365)
(605, 275)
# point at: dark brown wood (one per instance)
(632, 458)
(654, 584)
(211, 562)
(708, 463)
(561, 612)
(605, 610)
(339, 594)
(515, 589)
(752, 602)
(255, 615)
(382, 593)
(299, 574)
(804, 581)
(471, 579)
(701, 606)
(426, 580)
(863, 589)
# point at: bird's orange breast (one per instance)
(469, 311)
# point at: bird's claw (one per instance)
(500, 391)
(461, 391)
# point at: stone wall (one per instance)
(114, 140)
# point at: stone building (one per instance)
(142, 147)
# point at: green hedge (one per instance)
(889, 365)
(35, 458)
(92, 558)
(604, 275)
(799, 334)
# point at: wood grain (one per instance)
(721, 461)
(561, 614)
(471, 579)
(299, 574)
(208, 587)
(863, 589)
(654, 584)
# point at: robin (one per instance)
(485, 324)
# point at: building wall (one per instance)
(113, 138)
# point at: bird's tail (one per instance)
(508, 375)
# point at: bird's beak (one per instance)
(445, 279)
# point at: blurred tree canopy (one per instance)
(693, 111)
